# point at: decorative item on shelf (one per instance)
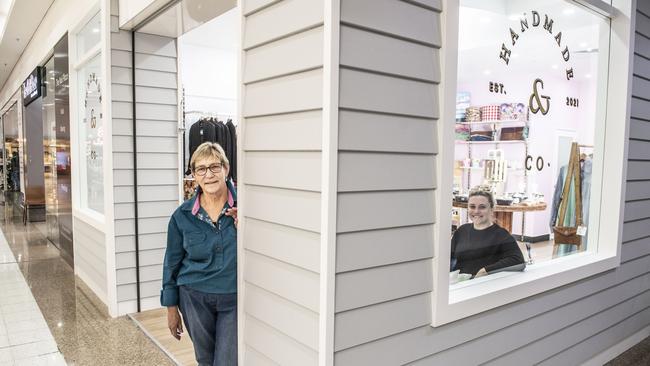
(189, 186)
(462, 132)
(490, 113)
(513, 112)
(495, 171)
(461, 198)
(462, 103)
(473, 114)
(513, 133)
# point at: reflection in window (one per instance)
(525, 133)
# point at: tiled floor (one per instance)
(25, 338)
(51, 314)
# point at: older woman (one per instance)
(483, 247)
(200, 267)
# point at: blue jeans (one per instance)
(211, 321)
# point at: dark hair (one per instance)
(484, 192)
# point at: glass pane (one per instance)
(529, 83)
(91, 135)
(49, 153)
(89, 36)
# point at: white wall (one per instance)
(208, 66)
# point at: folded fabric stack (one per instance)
(513, 112)
(482, 136)
(462, 132)
(473, 114)
(490, 113)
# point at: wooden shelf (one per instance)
(492, 122)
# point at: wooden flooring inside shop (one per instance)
(154, 324)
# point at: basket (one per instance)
(512, 133)
(490, 113)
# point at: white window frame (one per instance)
(490, 292)
(77, 62)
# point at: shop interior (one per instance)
(528, 159)
(11, 170)
(207, 44)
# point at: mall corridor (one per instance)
(48, 314)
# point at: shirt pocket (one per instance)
(197, 246)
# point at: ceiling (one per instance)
(186, 15)
(19, 25)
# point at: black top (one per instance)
(493, 248)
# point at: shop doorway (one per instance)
(34, 200)
(203, 73)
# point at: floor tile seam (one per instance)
(24, 344)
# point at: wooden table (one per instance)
(503, 214)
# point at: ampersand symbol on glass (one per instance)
(535, 101)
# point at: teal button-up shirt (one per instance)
(200, 254)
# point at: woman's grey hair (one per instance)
(209, 150)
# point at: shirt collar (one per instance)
(197, 200)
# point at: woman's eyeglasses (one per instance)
(202, 170)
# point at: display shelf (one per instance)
(499, 122)
(483, 168)
(490, 142)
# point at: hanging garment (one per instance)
(562, 249)
(232, 130)
(200, 132)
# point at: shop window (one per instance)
(89, 36)
(89, 115)
(532, 87)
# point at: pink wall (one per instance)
(542, 134)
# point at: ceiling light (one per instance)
(568, 11)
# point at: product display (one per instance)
(473, 114)
(513, 112)
(490, 113)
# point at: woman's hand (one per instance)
(233, 213)
(174, 322)
(482, 272)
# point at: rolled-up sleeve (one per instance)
(174, 255)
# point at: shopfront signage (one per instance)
(505, 52)
(32, 87)
(537, 102)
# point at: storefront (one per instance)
(356, 120)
